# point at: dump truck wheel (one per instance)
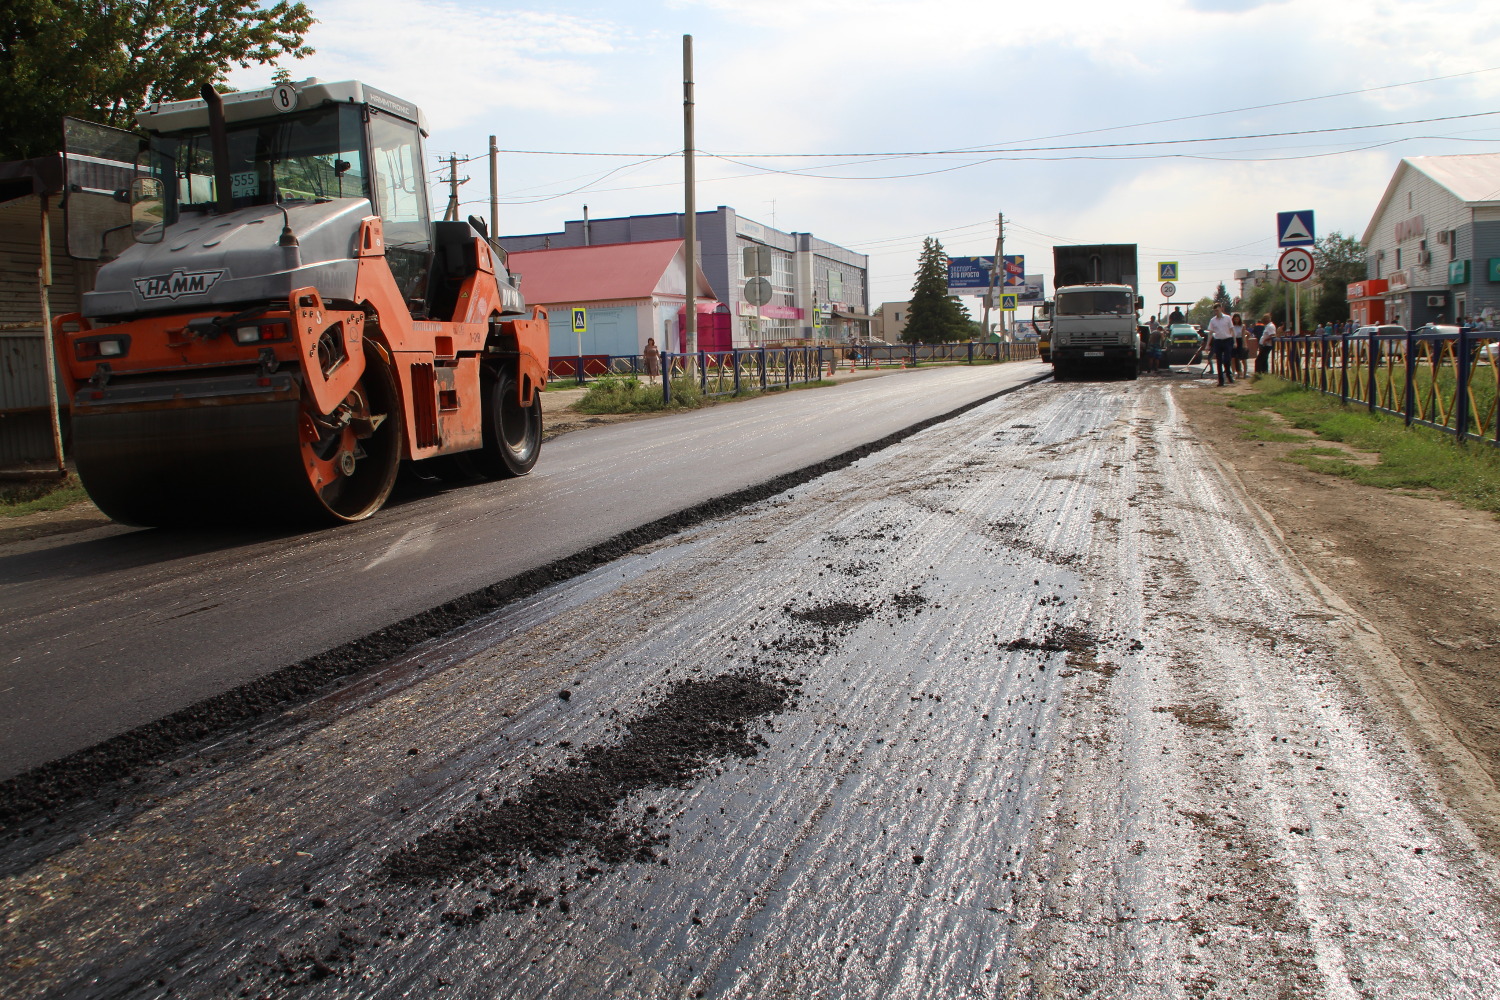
(352, 467)
(512, 432)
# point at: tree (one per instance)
(1221, 296)
(104, 59)
(934, 316)
(1338, 262)
(1202, 309)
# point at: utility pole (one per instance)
(451, 215)
(690, 208)
(995, 273)
(494, 189)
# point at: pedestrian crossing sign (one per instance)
(1008, 302)
(580, 320)
(1166, 270)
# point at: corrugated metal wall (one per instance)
(25, 429)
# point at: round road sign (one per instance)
(757, 291)
(1168, 289)
(1296, 264)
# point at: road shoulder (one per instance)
(1419, 570)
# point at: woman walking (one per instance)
(652, 356)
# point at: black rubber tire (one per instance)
(512, 433)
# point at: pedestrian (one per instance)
(1175, 317)
(652, 356)
(1221, 344)
(1158, 347)
(1252, 346)
(1239, 353)
(1267, 344)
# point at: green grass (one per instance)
(1411, 458)
(29, 498)
(628, 394)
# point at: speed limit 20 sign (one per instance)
(1296, 264)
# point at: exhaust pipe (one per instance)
(218, 136)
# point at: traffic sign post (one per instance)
(1295, 229)
(1168, 289)
(1167, 270)
(1008, 301)
(580, 327)
(1296, 266)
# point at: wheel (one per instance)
(351, 455)
(512, 432)
(1131, 370)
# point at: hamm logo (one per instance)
(177, 284)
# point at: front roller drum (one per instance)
(237, 459)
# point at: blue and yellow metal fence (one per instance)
(728, 373)
(1448, 381)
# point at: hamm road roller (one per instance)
(289, 325)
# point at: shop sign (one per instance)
(1495, 268)
(1410, 229)
(746, 309)
(1399, 280)
(1458, 272)
(781, 312)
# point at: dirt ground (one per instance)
(1419, 570)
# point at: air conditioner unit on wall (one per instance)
(1443, 237)
(1436, 301)
(1424, 257)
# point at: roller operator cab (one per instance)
(290, 324)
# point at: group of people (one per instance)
(1234, 345)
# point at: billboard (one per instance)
(1015, 270)
(969, 275)
(1032, 288)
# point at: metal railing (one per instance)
(729, 373)
(1450, 382)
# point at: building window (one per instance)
(1398, 258)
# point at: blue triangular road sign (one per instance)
(1294, 229)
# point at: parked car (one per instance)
(1183, 344)
(1390, 345)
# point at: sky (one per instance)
(875, 123)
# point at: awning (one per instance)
(862, 317)
(20, 178)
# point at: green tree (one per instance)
(104, 59)
(1338, 262)
(934, 316)
(1221, 296)
(1202, 309)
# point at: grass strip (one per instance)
(50, 494)
(1411, 458)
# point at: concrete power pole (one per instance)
(690, 208)
(996, 274)
(451, 215)
(494, 189)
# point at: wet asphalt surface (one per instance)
(1032, 704)
(107, 630)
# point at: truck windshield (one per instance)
(315, 155)
(1094, 302)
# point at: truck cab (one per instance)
(1095, 326)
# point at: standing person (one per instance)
(1239, 354)
(1252, 347)
(1221, 343)
(1175, 317)
(652, 355)
(1267, 342)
